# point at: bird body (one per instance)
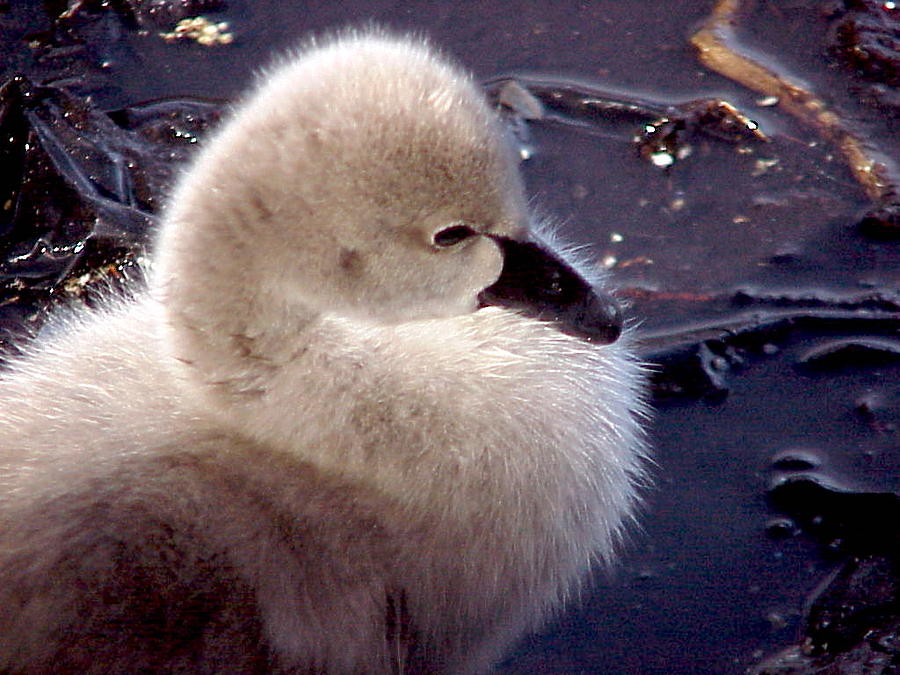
(307, 445)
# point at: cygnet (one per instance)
(361, 418)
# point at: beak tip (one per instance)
(608, 318)
(600, 322)
(538, 283)
(609, 334)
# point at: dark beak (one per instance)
(539, 284)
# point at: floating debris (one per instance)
(145, 15)
(661, 159)
(520, 101)
(761, 166)
(202, 31)
(718, 49)
(661, 141)
(662, 127)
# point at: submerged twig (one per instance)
(717, 47)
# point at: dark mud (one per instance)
(764, 290)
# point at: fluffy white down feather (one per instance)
(303, 447)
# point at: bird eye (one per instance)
(451, 236)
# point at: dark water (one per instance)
(719, 575)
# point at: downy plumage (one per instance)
(360, 420)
